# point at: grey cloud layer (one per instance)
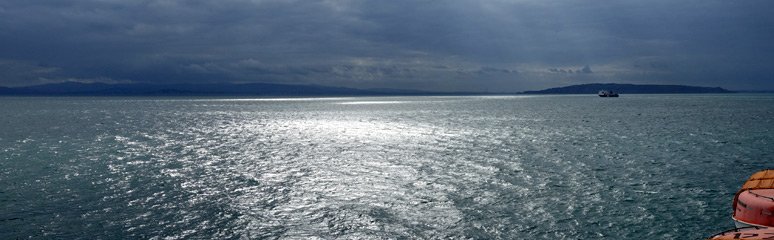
(434, 45)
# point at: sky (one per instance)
(437, 45)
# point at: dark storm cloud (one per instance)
(435, 45)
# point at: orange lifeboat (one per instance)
(754, 202)
(746, 233)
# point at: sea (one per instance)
(418, 167)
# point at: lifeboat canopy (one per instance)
(754, 202)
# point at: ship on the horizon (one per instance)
(606, 93)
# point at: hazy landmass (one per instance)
(593, 88)
(260, 89)
(272, 89)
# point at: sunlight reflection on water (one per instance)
(412, 167)
(371, 102)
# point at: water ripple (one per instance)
(359, 168)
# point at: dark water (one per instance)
(546, 167)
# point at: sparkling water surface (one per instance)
(509, 167)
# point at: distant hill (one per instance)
(593, 88)
(4, 90)
(219, 89)
(272, 89)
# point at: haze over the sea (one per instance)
(461, 45)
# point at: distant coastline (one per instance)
(214, 89)
(272, 89)
(593, 88)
